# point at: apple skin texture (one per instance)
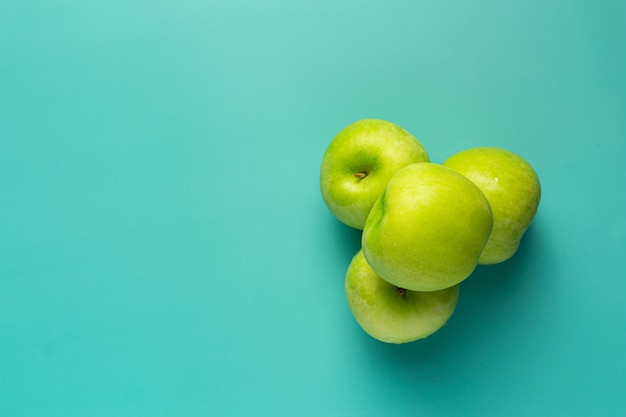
(428, 229)
(390, 315)
(512, 187)
(359, 162)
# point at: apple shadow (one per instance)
(505, 282)
(346, 240)
(505, 286)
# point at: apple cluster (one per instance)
(425, 226)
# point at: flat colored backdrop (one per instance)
(164, 249)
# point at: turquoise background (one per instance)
(164, 249)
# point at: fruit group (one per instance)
(359, 162)
(425, 226)
(391, 314)
(512, 187)
(428, 229)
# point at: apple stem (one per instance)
(360, 175)
(401, 292)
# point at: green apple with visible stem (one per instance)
(391, 314)
(428, 228)
(359, 161)
(512, 187)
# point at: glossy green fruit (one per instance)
(395, 315)
(427, 230)
(512, 187)
(358, 163)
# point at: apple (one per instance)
(512, 187)
(391, 314)
(359, 161)
(428, 228)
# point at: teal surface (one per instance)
(165, 251)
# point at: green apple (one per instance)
(391, 314)
(512, 187)
(428, 228)
(359, 161)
